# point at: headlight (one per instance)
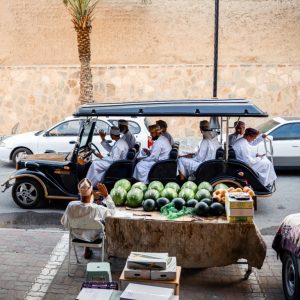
(2, 144)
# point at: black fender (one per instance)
(51, 189)
(231, 170)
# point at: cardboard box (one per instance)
(145, 292)
(136, 273)
(168, 274)
(231, 202)
(172, 284)
(147, 260)
(248, 220)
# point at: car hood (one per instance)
(19, 138)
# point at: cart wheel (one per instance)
(290, 277)
(27, 193)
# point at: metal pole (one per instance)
(216, 46)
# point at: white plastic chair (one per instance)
(88, 225)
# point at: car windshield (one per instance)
(87, 126)
(266, 126)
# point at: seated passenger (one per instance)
(118, 151)
(126, 136)
(164, 126)
(247, 153)
(160, 151)
(239, 132)
(239, 128)
(207, 148)
(85, 210)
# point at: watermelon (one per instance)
(118, 194)
(208, 201)
(149, 205)
(134, 198)
(140, 185)
(220, 186)
(151, 194)
(156, 185)
(190, 185)
(186, 194)
(201, 194)
(160, 202)
(205, 185)
(201, 209)
(173, 185)
(191, 203)
(217, 209)
(178, 203)
(124, 183)
(169, 193)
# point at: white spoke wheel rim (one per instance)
(290, 276)
(26, 193)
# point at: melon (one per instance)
(201, 209)
(169, 193)
(201, 194)
(140, 185)
(205, 185)
(156, 185)
(208, 201)
(149, 205)
(160, 202)
(124, 183)
(220, 186)
(191, 203)
(217, 209)
(179, 203)
(134, 198)
(118, 194)
(190, 185)
(152, 194)
(173, 185)
(186, 194)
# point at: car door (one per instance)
(105, 126)
(58, 138)
(286, 145)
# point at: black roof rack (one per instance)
(189, 108)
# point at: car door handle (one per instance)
(295, 146)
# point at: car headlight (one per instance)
(2, 144)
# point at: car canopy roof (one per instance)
(190, 108)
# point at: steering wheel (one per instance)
(93, 149)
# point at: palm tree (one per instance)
(82, 15)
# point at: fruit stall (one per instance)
(203, 226)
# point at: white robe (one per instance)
(128, 137)
(232, 138)
(160, 151)
(169, 137)
(206, 151)
(90, 213)
(98, 167)
(247, 153)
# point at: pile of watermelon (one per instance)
(156, 195)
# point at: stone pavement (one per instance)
(33, 266)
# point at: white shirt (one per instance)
(87, 212)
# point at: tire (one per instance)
(290, 277)
(28, 193)
(17, 152)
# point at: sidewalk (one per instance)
(33, 266)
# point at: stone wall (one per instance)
(38, 96)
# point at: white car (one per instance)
(62, 136)
(285, 135)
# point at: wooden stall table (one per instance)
(196, 243)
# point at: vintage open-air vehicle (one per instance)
(54, 176)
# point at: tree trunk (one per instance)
(84, 51)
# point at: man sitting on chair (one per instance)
(85, 210)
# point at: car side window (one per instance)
(287, 132)
(68, 128)
(134, 127)
(101, 125)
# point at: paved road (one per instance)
(270, 210)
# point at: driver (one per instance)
(118, 151)
(247, 153)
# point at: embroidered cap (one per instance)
(85, 187)
(123, 122)
(115, 130)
